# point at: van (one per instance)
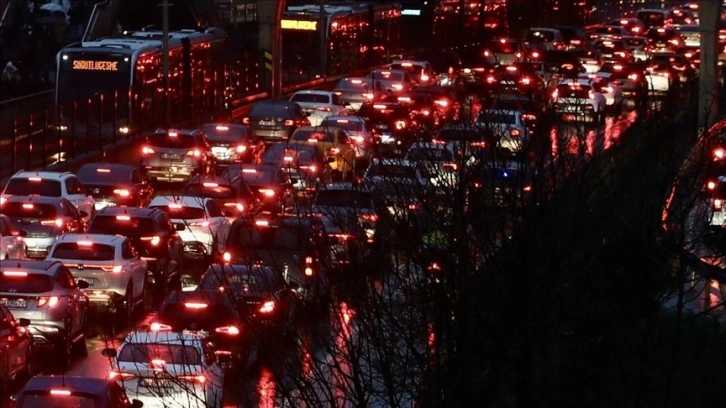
(545, 38)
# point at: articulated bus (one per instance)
(116, 85)
(357, 35)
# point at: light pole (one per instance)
(323, 46)
(165, 60)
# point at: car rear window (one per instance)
(541, 35)
(271, 238)
(34, 186)
(311, 97)
(171, 353)
(48, 400)
(30, 283)
(215, 314)
(425, 154)
(344, 198)
(181, 213)
(270, 110)
(318, 136)
(29, 210)
(345, 124)
(351, 85)
(239, 282)
(121, 224)
(392, 170)
(84, 251)
(216, 191)
(179, 141)
(496, 117)
(225, 133)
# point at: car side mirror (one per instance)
(178, 226)
(136, 403)
(82, 284)
(109, 352)
(24, 322)
(83, 213)
(22, 233)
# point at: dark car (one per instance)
(391, 123)
(176, 155)
(63, 391)
(293, 245)
(232, 194)
(299, 159)
(573, 36)
(502, 181)
(115, 184)
(264, 299)
(44, 219)
(664, 39)
(444, 99)
(152, 233)
(274, 121)
(211, 314)
(354, 91)
(232, 142)
(269, 183)
(18, 341)
(516, 79)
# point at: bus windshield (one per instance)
(82, 74)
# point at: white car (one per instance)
(319, 104)
(440, 159)
(610, 88)
(201, 225)
(167, 370)
(51, 184)
(507, 127)
(356, 129)
(396, 80)
(659, 80)
(717, 218)
(115, 273)
(577, 97)
(12, 241)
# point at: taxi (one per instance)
(334, 142)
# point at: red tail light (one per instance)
(228, 330)
(711, 185)
(120, 375)
(289, 122)
(147, 150)
(195, 305)
(719, 153)
(246, 121)
(50, 301)
(515, 132)
(452, 166)
(156, 326)
(370, 217)
(241, 148)
(155, 240)
(324, 108)
(195, 153)
(199, 379)
(717, 204)
(122, 192)
(58, 222)
(267, 192)
(308, 266)
(267, 307)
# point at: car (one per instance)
(269, 183)
(44, 219)
(691, 34)
(394, 80)
(199, 221)
(717, 204)
(664, 39)
(501, 181)
(110, 265)
(16, 348)
(348, 240)
(612, 32)
(391, 123)
(232, 194)
(175, 155)
(503, 51)
(73, 391)
(421, 71)
(653, 18)
(639, 47)
(421, 106)
(294, 245)
(516, 78)
(46, 293)
(440, 160)
(319, 104)
(660, 78)
(115, 184)
(334, 143)
(630, 78)
(12, 239)
(304, 164)
(353, 91)
(679, 65)
(50, 184)
(610, 89)
(573, 36)
(633, 25)
(167, 369)
(274, 121)
(579, 99)
(615, 50)
(545, 38)
(213, 315)
(154, 237)
(233, 142)
(267, 303)
(590, 58)
(357, 131)
(504, 128)
(446, 102)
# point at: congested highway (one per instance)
(280, 249)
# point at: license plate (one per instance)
(168, 156)
(200, 333)
(267, 123)
(381, 126)
(172, 169)
(156, 382)
(14, 303)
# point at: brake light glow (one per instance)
(268, 307)
(442, 102)
(367, 95)
(229, 330)
(158, 362)
(287, 158)
(213, 185)
(397, 87)
(312, 140)
(175, 206)
(15, 274)
(240, 148)
(249, 170)
(117, 268)
(51, 301)
(262, 223)
(711, 185)
(156, 326)
(173, 133)
(123, 218)
(267, 192)
(370, 217)
(195, 153)
(199, 224)
(122, 192)
(85, 243)
(113, 375)
(404, 99)
(226, 257)
(246, 121)
(324, 108)
(194, 305)
(147, 150)
(308, 271)
(201, 379)
(334, 150)
(60, 393)
(289, 122)
(58, 222)
(103, 170)
(525, 81)
(34, 179)
(719, 153)
(28, 206)
(717, 204)
(222, 128)
(356, 81)
(378, 106)
(424, 77)
(155, 240)
(400, 124)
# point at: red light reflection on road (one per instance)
(583, 139)
(266, 389)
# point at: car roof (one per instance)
(108, 239)
(41, 267)
(163, 337)
(350, 118)
(53, 175)
(344, 186)
(241, 269)
(91, 385)
(185, 200)
(132, 211)
(110, 166)
(35, 199)
(313, 92)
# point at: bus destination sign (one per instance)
(298, 25)
(90, 65)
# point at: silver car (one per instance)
(176, 155)
(46, 293)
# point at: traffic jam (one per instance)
(231, 238)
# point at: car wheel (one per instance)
(128, 308)
(63, 349)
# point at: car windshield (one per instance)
(344, 198)
(33, 186)
(181, 212)
(256, 177)
(271, 238)
(121, 224)
(345, 124)
(213, 190)
(29, 210)
(171, 353)
(47, 400)
(311, 97)
(386, 75)
(103, 175)
(392, 170)
(83, 250)
(180, 141)
(310, 135)
(427, 154)
(240, 282)
(567, 91)
(225, 133)
(19, 282)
